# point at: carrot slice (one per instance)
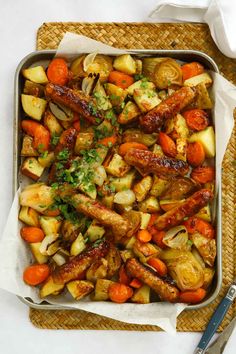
(203, 174)
(158, 265)
(157, 237)
(36, 274)
(41, 136)
(123, 276)
(48, 212)
(167, 145)
(124, 148)
(195, 224)
(191, 69)
(196, 119)
(108, 141)
(58, 72)
(119, 292)
(136, 283)
(120, 79)
(192, 297)
(31, 234)
(144, 236)
(195, 153)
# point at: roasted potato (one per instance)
(50, 225)
(98, 270)
(39, 257)
(50, 288)
(78, 245)
(142, 188)
(79, 288)
(114, 261)
(117, 167)
(36, 74)
(125, 63)
(101, 289)
(33, 89)
(29, 216)
(27, 147)
(207, 138)
(159, 186)
(149, 205)
(141, 295)
(129, 113)
(32, 168)
(33, 106)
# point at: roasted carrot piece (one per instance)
(41, 136)
(31, 234)
(58, 72)
(191, 69)
(167, 145)
(48, 212)
(119, 292)
(192, 297)
(120, 79)
(195, 224)
(144, 236)
(136, 283)
(203, 174)
(123, 277)
(196, 119)
(108, 141)
(36, 274)
(124, 148)
(152, 220)
(195, 154)
(158, 265)
(157, 237)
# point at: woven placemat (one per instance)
(153, 36)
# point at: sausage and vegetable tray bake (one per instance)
(118, 154)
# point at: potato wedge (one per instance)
(78, 245)
(84, 141)
(95, 231)
(130, 113)
(208, 276)
(50, 225)
(125, 63)
(159, 186)
(141, 295)
(139, 85)
(50, 288)
(39, 257)
(116, 94)
(149, 205)
(79, 288)
(122, 183)
(101, 289)
(117, 167)
(34, 107)
(29, 216)
(177, 127)
(181, 147)
(203, 100)
(142, 188)
(145, 218)
(32, 168)
(51, 122)
(207, 138)
(199, 79)
(37, 196)
(36, 74)
(205, 213)
(126, 254)
(146, 99)
(47, 159)
(114, 261)
(27, 147)
(157, 150)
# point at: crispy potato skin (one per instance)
(153, 120)
(189, 207)
(105, 216)
(72, 269)
(148, 162)
(166, 291)
(76, 100)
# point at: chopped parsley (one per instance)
(138, 77)
(54, 140)
(44, 154)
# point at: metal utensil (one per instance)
(216, 319)
(218, 346)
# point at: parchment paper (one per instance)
(15, 255)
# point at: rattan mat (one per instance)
(153, 36)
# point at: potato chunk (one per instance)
(149, 205)
(159, 186)
(39, 257)
(199, 79)
(129, 113)
(146, 99)
(32, 168)
(207, 138)
(101, 289)
(50, 288)
(36, 74)
(50, 225)
(79, 288)
(98, 270)
(27, 147)
(142, 188)
(29, 216)
(117, 166)
(141, 295)
(37, 196)
(125, 63)
(78, 245)
(34, 107)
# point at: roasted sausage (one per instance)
(147, 162)
(67, 143)
(75, 100)
(165, 290)
(95, 210)
(189, 207)
(74, 267)
(153, 120)
(179, 188)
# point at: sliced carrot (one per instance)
(191, 69)
(32, 234)
(124, 148)
(144, 236)
(120, 79)
(195, 224)
(195, 154)
(157, 237)
(158, 265)
(48, 212)
(41, 136)
(123, 276)
(136, 283)
(58, 72)
(196, 119)
(167, 145)
(119, 292)
(192, 297)
(203, 174)
(76, 125)
(36, 274)
(152, 220)
(108, 141)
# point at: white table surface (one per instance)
(19, 21)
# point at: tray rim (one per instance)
(165, 52)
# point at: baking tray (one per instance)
(42, 58)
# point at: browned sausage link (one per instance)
(153, 120)
(76, 100)
(105, 216)
(148, 162)
(189, 207)
(74, 267)
(66, 142)
(165, 290)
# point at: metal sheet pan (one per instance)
(42, 58)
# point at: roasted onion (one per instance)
(177, 238)
(167, 73)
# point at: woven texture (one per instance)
(154, 36)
